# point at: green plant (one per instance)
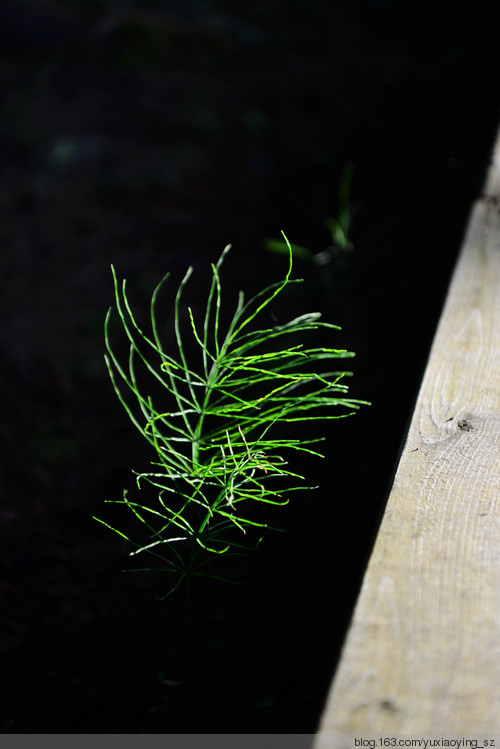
(213, 427)
(339, 228)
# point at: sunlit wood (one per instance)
(422, 655)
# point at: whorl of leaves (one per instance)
(216, 458)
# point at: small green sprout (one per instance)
(339, 228)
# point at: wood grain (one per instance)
(422, 655)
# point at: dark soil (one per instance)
(149, 135)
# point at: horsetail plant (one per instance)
(213, 428)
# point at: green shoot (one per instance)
(339, 228)
(222, 393)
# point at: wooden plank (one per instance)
(422, 655)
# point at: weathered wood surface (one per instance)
(422, 655)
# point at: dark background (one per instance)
(149, 135)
